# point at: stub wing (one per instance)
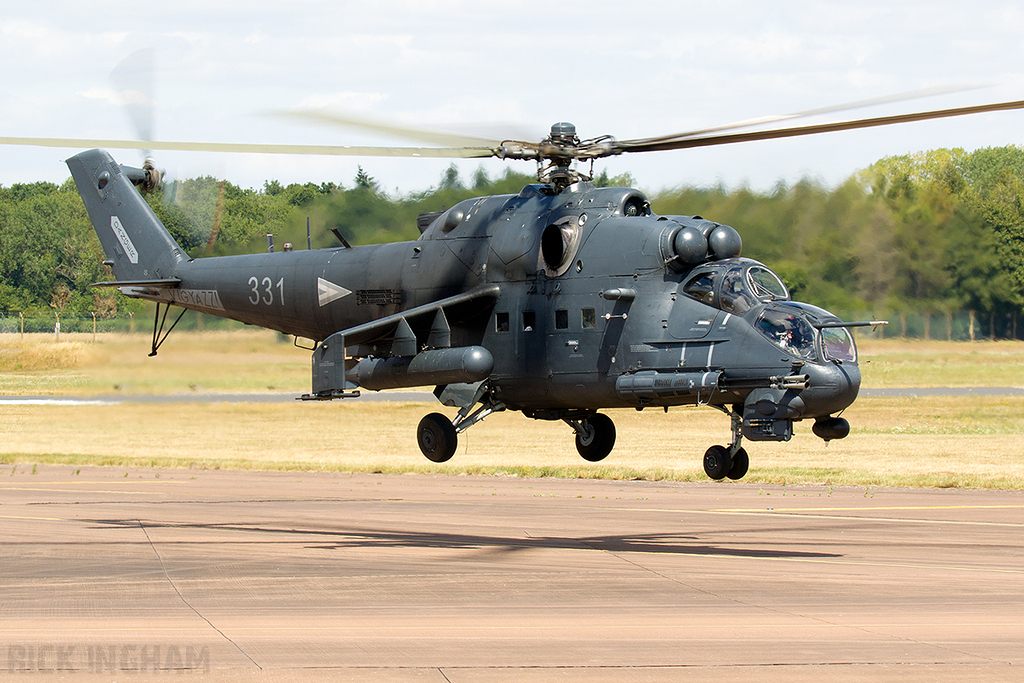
(407, 349)
(429, 321)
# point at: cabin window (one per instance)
(766, 284)
(501, 322)
(561, 320)
(701, 287)
(736, 295)
(529, 321)
(589, 318)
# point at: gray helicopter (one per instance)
(560, 301)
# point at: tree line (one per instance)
(932, 233)
(935, 232)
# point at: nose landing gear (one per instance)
(720, 462)
(732, 461)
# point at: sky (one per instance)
(224, 70)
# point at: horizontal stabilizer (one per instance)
(166, 282)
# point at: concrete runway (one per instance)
(297, 576)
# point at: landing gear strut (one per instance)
(438, 436)
(732, 461)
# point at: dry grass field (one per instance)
(935, 441)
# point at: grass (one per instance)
(917, 363)
(242, 361)
(937, 441)
(247, 361)
(896, 442)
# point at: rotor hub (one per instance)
(564, 132)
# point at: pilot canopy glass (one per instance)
(736, 286)
(788, 330)
(837, 342)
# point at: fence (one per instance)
(953, 326)
(141, 322)
(958, 326)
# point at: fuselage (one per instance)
(556, 303)
(591, 314)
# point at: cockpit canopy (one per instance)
(807, 332)
(735, 285)
(738, 285)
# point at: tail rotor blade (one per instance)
(133, 77)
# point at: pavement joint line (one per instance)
(852, 563)
(121, 492)
(852, 518)
(167, 576)
(752, 511)
(89, 482)
(641, 667)
(198, 501)
(799, 622)
(43, 519)
(868, 630)
(886, 507)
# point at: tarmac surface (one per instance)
(143, 574)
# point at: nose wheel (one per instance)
(728, 461)
(719, 463)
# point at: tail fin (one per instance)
(137, 245)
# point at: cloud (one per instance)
(343, 100)
(120, 98)
(651, 68)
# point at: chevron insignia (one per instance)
(328, 291)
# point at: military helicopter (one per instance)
(560, 301)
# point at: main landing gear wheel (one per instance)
(597, 438)
(437, 437)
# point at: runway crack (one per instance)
(181, 597)
(659, 574)
(712, 594)
(811, 617)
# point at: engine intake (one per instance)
(697, 240)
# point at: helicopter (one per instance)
(559, 302)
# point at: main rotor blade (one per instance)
(848, 106)
(248, 148)
(661, 144)
(434, 137)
